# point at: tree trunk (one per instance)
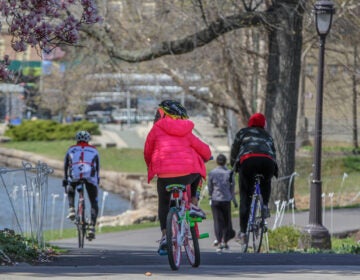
(282, 94)
(355, 126)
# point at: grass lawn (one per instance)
(334, 167)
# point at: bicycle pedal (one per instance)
(90, 237)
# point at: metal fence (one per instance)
(27, 199)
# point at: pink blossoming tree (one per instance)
(44, 24)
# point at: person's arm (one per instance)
(149, 146)
(235, 147)
(201, 148)
(276, 172)
(97, 162)
(210, 185)
(66, 168)
(232, 188)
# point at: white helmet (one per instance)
(83, 136)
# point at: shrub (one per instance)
(16, 248)
(48, 130)
(284, 239)
(345, 246)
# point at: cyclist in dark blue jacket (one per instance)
(253, 152)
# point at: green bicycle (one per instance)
(182, 229)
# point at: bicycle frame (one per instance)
(256, 223)
(181, 229)
(256, 194)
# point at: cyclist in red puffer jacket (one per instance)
(174, 155)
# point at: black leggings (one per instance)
(248, 169)
(93, 197)
(164, 196)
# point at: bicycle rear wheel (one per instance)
(172, 238)
(191, 245)
(255, 230)
(80, 222)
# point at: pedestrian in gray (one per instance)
(221, 187)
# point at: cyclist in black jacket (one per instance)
(253, 152)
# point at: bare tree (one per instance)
(282, 20)
(219, 40)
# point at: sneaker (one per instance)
(197, 212)
(241, 238)
(215, 243)
(71, 214)
(163, 246)
(220, 248)
(91, 232)
(266, 212)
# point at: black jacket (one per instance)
(252, 140)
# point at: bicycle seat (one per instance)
(173, 187)
(259, 176)
(79, 184)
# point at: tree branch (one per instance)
(186, 44)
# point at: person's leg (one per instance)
(223, 224)
(267, 169)
(216, 217)
(226, 213)
(70, 190)
(195, 181)
(163, 202)
(246, 176)
(93, 197)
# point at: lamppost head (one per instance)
(324, 10)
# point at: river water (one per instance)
(19, 208)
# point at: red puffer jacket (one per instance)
(171, 148)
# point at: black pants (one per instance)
(93, 197)
(164, 196)
(248, 169)
(223, 229)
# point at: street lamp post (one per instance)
(319, 235)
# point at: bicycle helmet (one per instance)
(83, 136)
(174, 109)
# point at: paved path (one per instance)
(131, 254)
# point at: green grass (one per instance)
(71, 232)
(132, 161)
(121, 160)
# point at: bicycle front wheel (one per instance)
(81, 234)
(255, 230)
(191, 245)
(172, 238)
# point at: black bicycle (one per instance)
(256, 224)
(81, 218)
